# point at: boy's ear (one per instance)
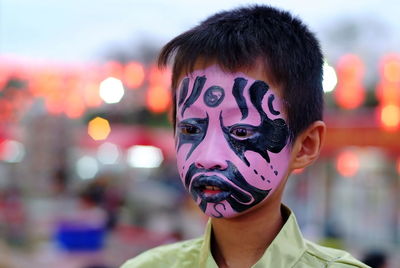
(307, 145)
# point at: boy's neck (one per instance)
(242, 241)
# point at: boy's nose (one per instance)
(212, 154)
(211, 163)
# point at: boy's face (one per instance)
(231, 140)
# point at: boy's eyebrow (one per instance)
(234, 113)
(193, 109)
(231, 110)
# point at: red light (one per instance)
(347, 163)
(390, 68)
(390, 117)
(133, 75)
(388, 92)
(388, 89)
(398, 165)
(349, 93)
(158, 99)
(159, 77)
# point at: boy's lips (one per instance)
(215, 189)
(211, 188)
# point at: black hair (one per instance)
(239, 38)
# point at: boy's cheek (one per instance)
(262, 174)
(280, 161)
(183, 163)
(181, 156)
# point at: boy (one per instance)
(248, 107)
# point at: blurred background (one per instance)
(87, 163)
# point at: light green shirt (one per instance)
(288, 250)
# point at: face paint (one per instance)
(197, 88)
(192, 131)
(234, 188)
(232, 137)
(214, 96)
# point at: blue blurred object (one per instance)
(75, 237)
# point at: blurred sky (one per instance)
(81, 30)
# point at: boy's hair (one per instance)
(239, 38)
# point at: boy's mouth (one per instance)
(215, 189)
(211, 188)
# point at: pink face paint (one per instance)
(231, 139)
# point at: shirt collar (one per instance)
(288, 245)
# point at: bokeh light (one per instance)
(350, 93)
(87, 167)
(140, 156)
(111, 90)
(391, 68)
(158, 99)
(99, 128)
(398, 165)
(390, 117)
(12, 151)
(134, 75)
(108, 153)
(329, 78)
(159, 76)
(347, 163)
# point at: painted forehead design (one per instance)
(214, 95)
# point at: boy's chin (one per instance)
(229, 216)
(234, 214)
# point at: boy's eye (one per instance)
(241, 132)
(189, 129)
